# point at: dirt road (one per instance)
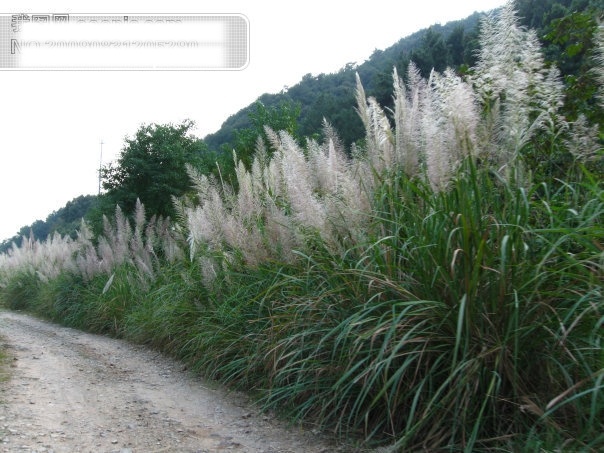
(74, 392)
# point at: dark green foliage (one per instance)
(571, 39)
(535, 13)
(329, 97)
(433, 53)
(456, 46)
(152, 168)
(244, 140)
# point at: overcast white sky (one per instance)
(51, 123)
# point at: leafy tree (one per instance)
(152, 167)
(572, 47)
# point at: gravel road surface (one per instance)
(69, 391)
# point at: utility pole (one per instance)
(100, 166)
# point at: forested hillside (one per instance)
(331, 96)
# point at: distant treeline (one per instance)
(65, 221)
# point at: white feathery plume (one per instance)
(599, 60)
(362, 107)
(406, 154)
(437, 138)
(306, 210)
(458, 109)
(108, 260)
(511, 79)
(378, 133)
(583, 142)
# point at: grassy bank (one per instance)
(470, 318)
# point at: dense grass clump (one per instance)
(428, 293)
(471, 318)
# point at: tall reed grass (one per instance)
(85, 284)
(470, 318)
(426, 294)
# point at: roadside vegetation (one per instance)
(437, 287)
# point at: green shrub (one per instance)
(21, 290)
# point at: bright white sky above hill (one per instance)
(52, 123)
